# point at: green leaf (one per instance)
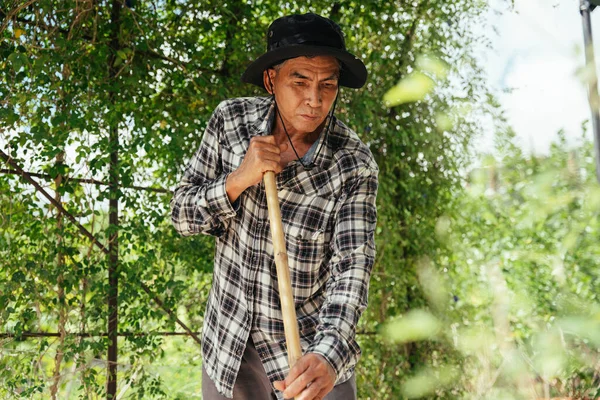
(18, 277)
(412, 88)
(413, 326)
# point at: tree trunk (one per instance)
(113, 219)
(60, 262)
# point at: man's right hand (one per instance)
(263, 155)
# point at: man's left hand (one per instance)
(311, 378)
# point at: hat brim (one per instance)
(352, 75)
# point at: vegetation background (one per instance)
(486, 282)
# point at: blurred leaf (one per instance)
(427, 381)
(443, 122)
(413, 326)
(410, 89)
(582, 327)
(433, 65)
(551, 357)
(432, 282)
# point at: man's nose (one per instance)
(313, 96)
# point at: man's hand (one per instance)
(263, 155)
(312, 378)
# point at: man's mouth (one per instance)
(310, 117)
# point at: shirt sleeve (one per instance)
(200, 203)
(353, 246)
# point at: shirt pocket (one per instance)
(306, 249)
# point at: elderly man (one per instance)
(327, 183)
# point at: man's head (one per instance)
(305, 89)
(307, 35)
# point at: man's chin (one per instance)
(308, 126)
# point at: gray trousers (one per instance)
(252, 382)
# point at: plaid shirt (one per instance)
(329, 220)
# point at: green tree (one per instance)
(120, 92)
(514, 289)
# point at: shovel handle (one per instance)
(286, 296)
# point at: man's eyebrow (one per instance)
(334, 76)
(296, 74)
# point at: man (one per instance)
(327, 184)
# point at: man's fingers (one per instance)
(265, 150)
(311, 378)
(271, 166)
(297, 370)
(317, 394)
(266, 160)
(311, 392)
(305, 382)
(269, 158)
(263, 139)
(268, 154)
(279, 385)
(267, 143)
(265, 153)
(322, 394)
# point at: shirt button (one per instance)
(249, 292)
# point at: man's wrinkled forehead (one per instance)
(281, 64)
(298, 74)
(299, 69)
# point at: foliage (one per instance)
(515, 291)
(76, 75)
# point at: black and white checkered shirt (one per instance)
(329, 219)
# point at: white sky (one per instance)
(536, 53)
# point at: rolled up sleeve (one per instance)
(200, 203)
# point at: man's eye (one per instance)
(299, 83)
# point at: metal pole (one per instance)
(585, 9)
(113, 217)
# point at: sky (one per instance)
(533, 68)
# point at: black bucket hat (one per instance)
(306, 35)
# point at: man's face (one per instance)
(305, 89)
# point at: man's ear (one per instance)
(269, 82)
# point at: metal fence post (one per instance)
(585, 8)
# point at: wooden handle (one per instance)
(288, 309)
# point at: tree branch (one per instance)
(153, 54)
(84, 180)
(231, 27)
(121, 334)
(335, 11)
(410, 35)
(10, 161)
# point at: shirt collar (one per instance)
(265, 114)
